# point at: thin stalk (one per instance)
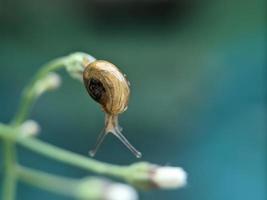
(10, 179)
(73, 159)
(49, 182)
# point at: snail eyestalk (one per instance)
(124, 140)
(117, 132)
(99, 141)
(112, 126)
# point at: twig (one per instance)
(71, 158)
(9, 187)
(46, 181)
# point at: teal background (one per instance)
(198, 83)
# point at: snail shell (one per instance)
(109, 87)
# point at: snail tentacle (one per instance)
(117, 132)
(99, 141)
(124, 140)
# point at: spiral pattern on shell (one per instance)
(107, 85)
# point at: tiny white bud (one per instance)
(118, 191)
(104, 189)
(51, 82)
(169, 177)
(29, 128)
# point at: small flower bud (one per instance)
(29, 128)
(169, 177)
(76, 63)
(50, 82)
(98, 188)
(147, 176)
(118, 191)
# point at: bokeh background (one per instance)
(198, 81)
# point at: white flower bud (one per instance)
(169, 177)
(51, 82)
(99, 188)
(29, 128)
(118, 191)
(145, 175)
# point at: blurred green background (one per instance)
(198, 81)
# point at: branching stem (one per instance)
(46, 181)
(71, 158)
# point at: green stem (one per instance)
(73, 159)
(9, 184)
(49, 182)
(63, 155)
(28, 96)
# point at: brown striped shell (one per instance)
(107, 85)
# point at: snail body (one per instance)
(109, 87)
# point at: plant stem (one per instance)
(28, 96)
(49, 182)
(9, 185)
(73, 159)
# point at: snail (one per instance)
(109, 87)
